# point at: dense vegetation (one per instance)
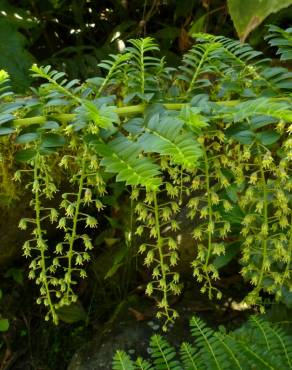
(74, 35)
(112, 168)
(257, 345)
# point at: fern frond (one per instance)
(274, 338)
(231, 350)
(254, 355)
(4, 84)
(164, 135)
(240, 52)
(261, 326)
(142, 364)
(238, 61)
(7, 108)
(253, 64)
(143, 64)
(261, 106)
(58, 85)
(123, 157)
(278, 77)
(258, 344)
(285, 343)
(122, 361)
(199, 60)
(90, 111)
(189, 357)
(282, 39)
(113, 67)
(210, 347)
(163, 354)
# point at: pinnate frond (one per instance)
(189, 357)
(122, 361)
(260, 106)
(163, 354)
(123, 157)
(282, 39)
(210, 348)
(142, 364)
(143, 65)
(200, 60)
(165, 135)
(113, 67)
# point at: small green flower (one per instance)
(91, 221)
(17, 176)
(149, 289)
(70, 210)
(62, 223)
(83, 274)
(23, 224)
(79, 260)
(87, 196)
(53, 215)
(149, 258)
(142, 248)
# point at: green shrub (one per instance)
(213, 135)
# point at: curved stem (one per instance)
(41, 244)
(210, 220)
(198, 69)
(121, 111)
(210, 210)
(265, 222)
(74, 226)
(159, 246)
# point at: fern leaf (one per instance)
(278, 77)
(122, 157)
(113, 67)
(254, 355)
(90, 111)
(164, 135)
(233, 59)
(7, 108)
(230, 349)
(4, 87)
(260, 106)
(258, 344)
(260, 324)
(189, 357)
(282, 39)
(198, 61)
(143, 364)
(210, 347)
(276, 341)
(58, 86)
(241, 53)
(142, 64)
(122, 361)
(163, 354)
(285, 343)
(261, 344)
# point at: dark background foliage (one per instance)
(74, 35)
